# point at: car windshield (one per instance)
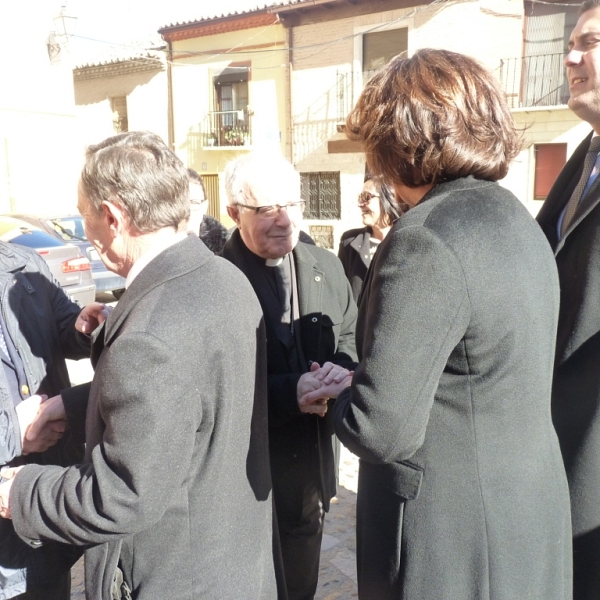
(34, 238)
(69, 228)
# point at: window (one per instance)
(549, 160)
(548, 27)
(118, 105)
(231, 125)
(381, 46)
(322, 194)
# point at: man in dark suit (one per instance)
(310, 316)
(173, 499)
(570, 218)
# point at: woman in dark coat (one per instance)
(357, 246)
(462, 493)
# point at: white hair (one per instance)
(261, 178)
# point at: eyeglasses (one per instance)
(198, 202)
(366, 197)
(273, 210)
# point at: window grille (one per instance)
(322, 235)
(322, 194)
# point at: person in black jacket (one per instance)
(37, 334)
(207, 228)
(357, 246)
(310, 317)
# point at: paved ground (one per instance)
(337, 576)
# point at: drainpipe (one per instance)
(288, 107)
(170, 120)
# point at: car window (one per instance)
(34, 238)
(69, 228)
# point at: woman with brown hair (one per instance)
(462, 493)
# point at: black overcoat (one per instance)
(355, 255)
(301, 444)
(176, 483)
(576, 388)
(462, 492)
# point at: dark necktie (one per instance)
(588, 167)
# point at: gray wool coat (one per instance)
(175, 484)
(576, 386)
(462, 492)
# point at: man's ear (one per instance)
(234, 213)
(114, 217)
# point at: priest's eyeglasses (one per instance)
(273, 210)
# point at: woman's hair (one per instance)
(389, 207)
(433, 117)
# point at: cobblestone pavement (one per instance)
(337, 575)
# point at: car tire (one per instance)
(118, 293)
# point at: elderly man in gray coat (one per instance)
(173, 499)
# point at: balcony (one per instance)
(226, 128)
(348, 87)
(527, 82)
(534, 81)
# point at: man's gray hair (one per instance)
(261, 178)
(138, 172)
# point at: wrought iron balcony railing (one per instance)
(534, 81)
(527, 81)
(348, 86)
(227, 128)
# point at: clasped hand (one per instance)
(42, 422)
(316, 387)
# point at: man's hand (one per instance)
(333, 379)
(309, 383)
(91, 316)
(322, 394)
(5, 487)
(42, 422)
(331, 373)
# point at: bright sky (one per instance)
(101, 23)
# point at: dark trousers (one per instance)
(586, 566)
(300, 534)
(60, 591)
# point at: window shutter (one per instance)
(380, 46)
(549, 160)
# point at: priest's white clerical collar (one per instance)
(273, 262)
